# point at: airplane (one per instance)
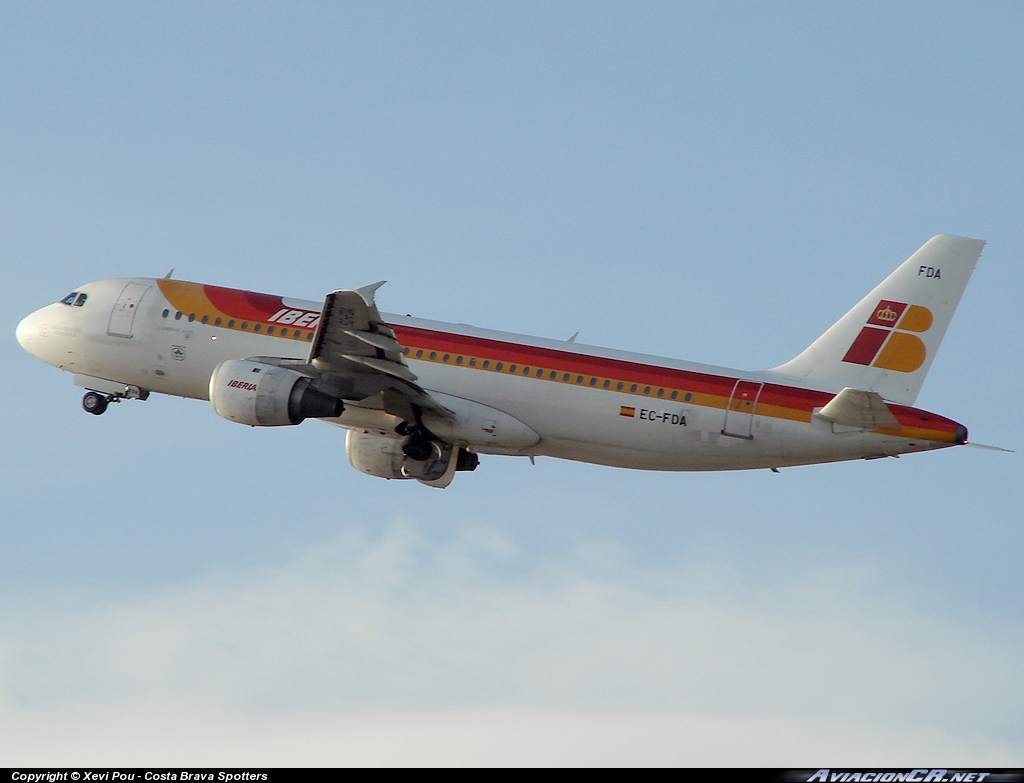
(424, 399)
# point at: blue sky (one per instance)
(713, 182)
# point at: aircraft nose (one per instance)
(26, 331)
(29, 333)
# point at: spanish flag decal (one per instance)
(627, 411)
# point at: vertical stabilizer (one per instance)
(887, 342)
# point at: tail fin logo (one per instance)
(885, 342)
(887, 314)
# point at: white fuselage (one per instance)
(585, 403)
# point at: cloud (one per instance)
(156, 735)
(386, 645)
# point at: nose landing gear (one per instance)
(95, 403)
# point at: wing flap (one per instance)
(350, 323)
(355, 349)
(382, 365)
(382, 341)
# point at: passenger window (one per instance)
(487, 364)
(472, 362)
(217, 322)
(433, 355)
(632, 389)
(565, 377)
(206, 319)
(458, 360)
(270, 329)
(166, 313)
(511, 368)
(606, 384)
(419, 354)
(620, 386)
(674, 394)
(257, 327)
(593, 381)
(498, 366)
(191, 317)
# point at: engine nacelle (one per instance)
(263, 395)
(375, 455)
(382, 456)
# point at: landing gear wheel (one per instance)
(417, 448)
(94, 403)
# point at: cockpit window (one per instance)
(75, 299)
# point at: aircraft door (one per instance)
(122, 317)
(739, 413)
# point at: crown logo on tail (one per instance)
(887, 314)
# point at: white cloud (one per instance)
(179, 734)
(388, 647)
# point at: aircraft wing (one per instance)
(357, 353)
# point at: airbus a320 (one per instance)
(424, 399)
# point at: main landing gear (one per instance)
(421, 445)
(417, 447)
(418, 442)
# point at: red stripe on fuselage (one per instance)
(562, 361)
(247, 305)
(794, 398)
(256, 307)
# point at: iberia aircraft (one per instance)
(422, 399)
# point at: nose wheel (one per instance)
(95, 403)
(100, 395)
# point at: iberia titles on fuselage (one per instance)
(422, 399)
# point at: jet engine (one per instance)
(383, 456)
(263, 395)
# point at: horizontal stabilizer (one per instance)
(862, 409)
